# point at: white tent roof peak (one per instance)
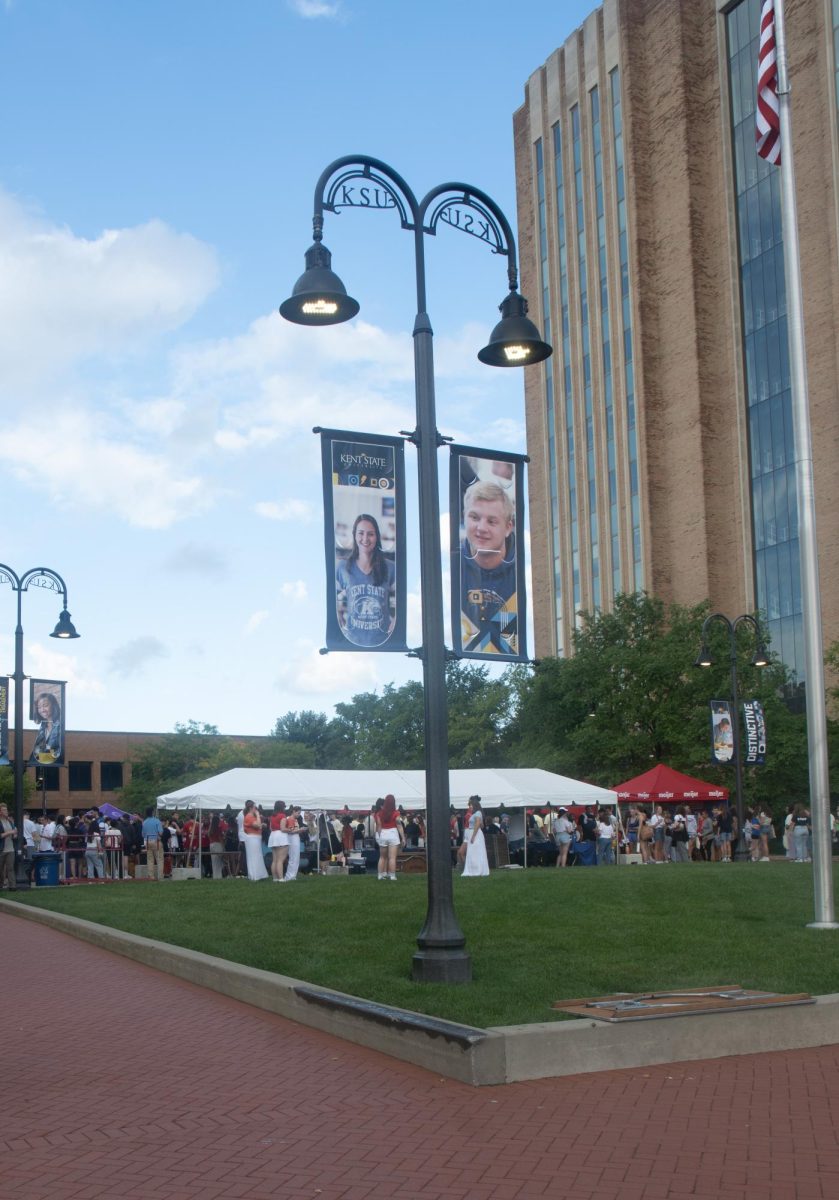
(334, 790)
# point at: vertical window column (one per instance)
(567, 387)
(553, 458)
(626, 322)
(585, 331)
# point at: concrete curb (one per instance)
(504, 1054)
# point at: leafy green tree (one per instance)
(325, 740)
(385, 731)
(630, 697)
(196, 751)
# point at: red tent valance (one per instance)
(663, 785)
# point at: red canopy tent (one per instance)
(663, 785)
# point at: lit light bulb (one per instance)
(320, 308)
(516, 353)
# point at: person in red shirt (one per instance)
(389, 837)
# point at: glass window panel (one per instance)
(761, 365)
(754, 222)
(792, 502)
(736, 102)
(760, 579)
(781, 479)
(757, 297)
(748, 307)
(754, 438)
(757, 513)
(770, 528)
(770, 288)
(779, 447)
(765, 424)
(784, 581)
(773, 594)
(798, 633)
(795, 573)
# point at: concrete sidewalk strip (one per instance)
(481, 1057)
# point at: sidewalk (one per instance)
(124, 1082)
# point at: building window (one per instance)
(81, 776)
(766, 353)
(111, 776)
(47, 779)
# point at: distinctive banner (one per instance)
(722, 732)
(754, 725)
(46, 707)
(4, 721)
(486, 515)
(364, 539)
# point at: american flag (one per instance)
(768, 131)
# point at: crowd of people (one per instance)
(258, 845)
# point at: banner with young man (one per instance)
(46, 708)
(364, 540)
(486, 515)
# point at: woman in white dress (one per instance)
(475, 862)
(291, 827)
(252, 825)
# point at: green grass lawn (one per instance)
(535, 936)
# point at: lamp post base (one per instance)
(822, 925)
(442, 966)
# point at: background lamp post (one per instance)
(320, 298)
(41, 577)
(760, 659)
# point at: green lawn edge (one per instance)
(535, 936)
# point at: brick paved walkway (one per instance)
(122, 1082)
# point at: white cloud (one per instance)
(289, 510)
(295, 590)
(312, 9)
(42, 662)
(313, 674)
(255, 620)
(74, 464)
(64, 297)
(132, 657)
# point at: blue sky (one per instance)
(157, 166)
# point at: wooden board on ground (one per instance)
(642, 1006)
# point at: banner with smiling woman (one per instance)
(486, 515)
(364, 540)
(46, 707)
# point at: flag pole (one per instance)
(811, 604)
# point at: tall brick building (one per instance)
(660, 432)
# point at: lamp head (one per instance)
(319, 297)
(515, 340)
(704, 659)
(65, 627)
(761, 658)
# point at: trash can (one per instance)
(46, 869)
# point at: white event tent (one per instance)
(332, 791)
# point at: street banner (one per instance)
(722, 732)
(754, 726)
(364, 540)
(4, 721)
(486, 519)
(46, 709)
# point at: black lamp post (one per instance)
(41, 577)
(760, 659)
(320, 298)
